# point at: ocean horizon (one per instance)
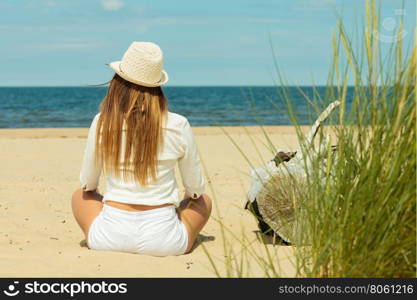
(71, 106)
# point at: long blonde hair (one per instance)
(137, 113)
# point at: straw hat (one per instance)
(142, 64)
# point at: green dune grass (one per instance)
(359, 213)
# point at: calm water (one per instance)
(22, 107)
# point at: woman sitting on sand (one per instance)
(137, 143)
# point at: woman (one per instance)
(137, 143)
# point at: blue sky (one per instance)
(68, 42)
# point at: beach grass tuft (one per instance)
(357, 215)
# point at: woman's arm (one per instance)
(90, 169)
(190, 166)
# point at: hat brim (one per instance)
(115, 66)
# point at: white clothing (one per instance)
(178, 146)
(156, 232)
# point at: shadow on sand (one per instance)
(270, 239)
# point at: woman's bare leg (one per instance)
(194, 214)
(86, 206)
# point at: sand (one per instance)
(40, 238)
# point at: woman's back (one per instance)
(178, 146)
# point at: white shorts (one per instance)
(157, 232)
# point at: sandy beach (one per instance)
(39, 237)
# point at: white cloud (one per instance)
(112, 4)
(67, 46)
(169, 21)
(49, 3)
(313, 5)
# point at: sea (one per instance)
(37, 107)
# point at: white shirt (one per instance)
(178, 146)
